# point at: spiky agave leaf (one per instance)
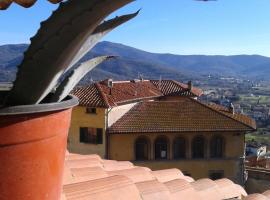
(100, 32)
(74, 78)
(55, 46)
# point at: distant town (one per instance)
(249, 97)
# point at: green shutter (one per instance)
(99, 136)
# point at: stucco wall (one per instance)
(122, 148)
(82, 119)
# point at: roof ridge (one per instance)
(220, 112)
(103, 97)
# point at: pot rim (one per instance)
(69, 102)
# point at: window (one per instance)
(142, 148)
(161, 148)
(179, 148)
(216, 174)
(91, 135)
(198, 147)
(217, 147)
(91, 110)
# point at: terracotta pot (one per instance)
(32, 150)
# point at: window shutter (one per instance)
(83, 132)
(82, 135)
(99, 135)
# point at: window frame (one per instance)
(193, 144)
(88, 137)
(92, 112)
(214, 146)
(148, 148)
(167, 148)
(174, 148)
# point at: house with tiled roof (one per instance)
(159, 124)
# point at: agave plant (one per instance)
(72, 30)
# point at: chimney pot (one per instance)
(189, 85)
(110, 83)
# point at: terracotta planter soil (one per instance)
(32, 150)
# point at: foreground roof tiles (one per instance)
(4, 4)
(121, 92)
(183, 115)
(140, 183)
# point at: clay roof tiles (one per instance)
(183, 115)
(101, 95)
(174, 88)
(140, 183)
(267, 193)
(90, 96)
(182, 189)
(256, 197)
(153, 190)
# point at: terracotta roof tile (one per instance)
(150, 190)
(90, 96)
(207, 189)
(183, 115)
(267, 193)
(100, 95)
(140, 183)
(256, 197)
(230, 190)
(182, 189)
(126, 91)
(116, 165)
(114, 187)
(174, 88)
(82, 163)
(137, 174)
(166, 175)
(237, 116)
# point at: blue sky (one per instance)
(226, 27)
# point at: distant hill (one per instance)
(131, 62)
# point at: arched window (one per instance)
(161, 148)
(198, 147)
(217, 147)
(179, 148)
(142, 148)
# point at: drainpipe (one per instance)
(107, 144)
(242, 159)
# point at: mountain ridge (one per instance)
(131, 62)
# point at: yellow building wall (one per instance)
(82, 119)
(121, 147)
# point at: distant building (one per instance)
(159, 124)
(256, 150)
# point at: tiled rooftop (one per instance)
(100, 95)
(90, 177)
(183, 115)
(174, 88)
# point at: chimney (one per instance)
(110, 85)
(189, 84)
(141, 78)
(231, 108)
